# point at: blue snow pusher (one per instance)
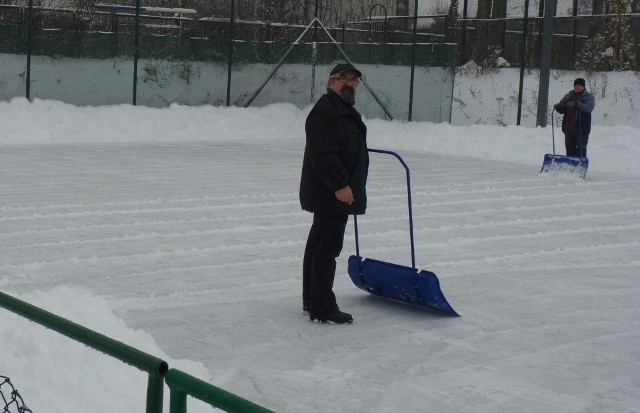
(397, 282)
(553, 163)
(572, 165)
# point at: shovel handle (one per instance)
(582, 154)
(408, 174)
(553, 133)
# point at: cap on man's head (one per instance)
(579, 81)
(345, 67)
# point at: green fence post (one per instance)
(155, 391)
(178, 401)
(230, 62)
(523, 54)
(545, 62)
(29, 50)
(136, 53)
(413, 60)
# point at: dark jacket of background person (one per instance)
(335, 157)
(585, 102)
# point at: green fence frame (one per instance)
(181, 384)
(156, 367)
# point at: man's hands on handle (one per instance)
(345, 195)
(569, 104)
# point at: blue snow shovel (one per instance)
(397, 282)
(570, 164)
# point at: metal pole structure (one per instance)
(364, 82)
(523, 54)
(314, 58)
(545, 61)
(29, 51)
(369, 40)
(316, 15)
(230, 60)
(280, 62)
(413, 58)
(344, 55)
(136, 53)
(314, 55)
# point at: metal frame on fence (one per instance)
(180, 383)
(527, 44)
(335, 43)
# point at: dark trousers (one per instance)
(319, 266)
(572, 144)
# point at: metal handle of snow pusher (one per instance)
(582, 154)
(553, 131)
(355, 218)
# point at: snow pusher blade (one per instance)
(559, 164)
(397, 282)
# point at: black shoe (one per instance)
(305, 309)
(332, 317)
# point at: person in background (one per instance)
(576, 106)
(332, 187)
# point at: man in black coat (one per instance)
(332, 186)
(576, 106)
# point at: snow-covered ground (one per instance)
(178, 231)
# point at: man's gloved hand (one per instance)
(571, 104)
(556, 106)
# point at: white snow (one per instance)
(178, 231)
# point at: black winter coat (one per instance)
(335, 156)
(584, 104)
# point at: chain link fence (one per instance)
(499, 60)
(10, 400)
(137, 61)
(467, 67)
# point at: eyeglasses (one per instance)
(346, 79)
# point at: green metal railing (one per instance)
(156, 367)
(180, 384)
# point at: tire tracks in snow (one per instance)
(297, 213)
(224, 250)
